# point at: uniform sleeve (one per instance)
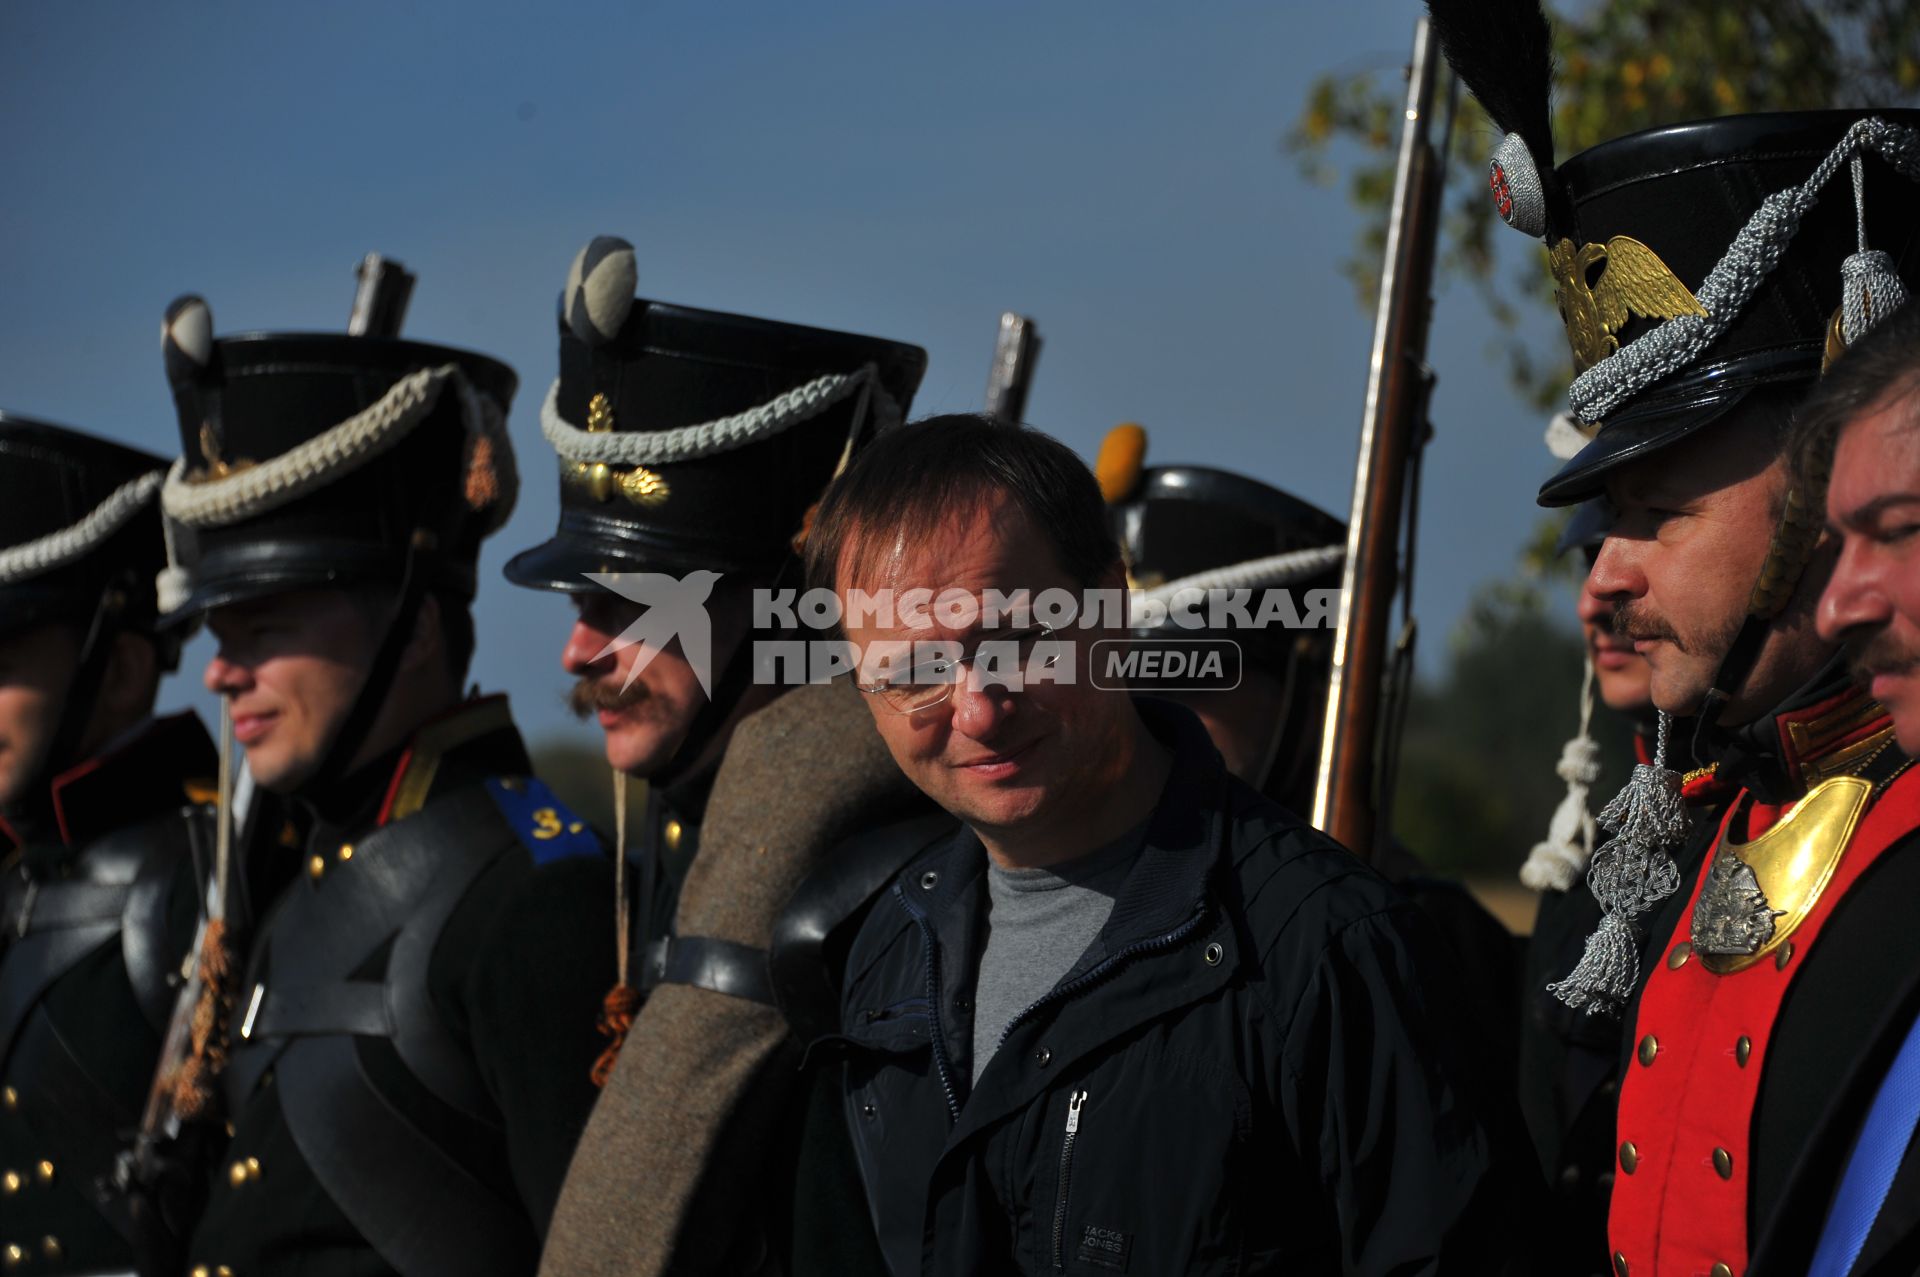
(525, 963)
(1423, 1166)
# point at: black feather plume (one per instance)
(1502, 51)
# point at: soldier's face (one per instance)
(1011, 764)
(290, 667)
(35, 667)
(1680, 563)
(1621, 675)
(644, 720)
(1872, 601)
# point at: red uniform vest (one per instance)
(1679, 1205)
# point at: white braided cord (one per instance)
(1755, 251)
(316, 462)
(41, 555)
(1271, 572)
(723, 434)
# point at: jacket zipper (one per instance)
(1074, 1101)
(933, 1000)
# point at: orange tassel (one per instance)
(622, 1003)
(193, 1083)
(483, 483)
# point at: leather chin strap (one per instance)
(83, 689)
(1727, 680)
(378, 685)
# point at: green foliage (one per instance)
(1624, 65)
(1477, 785)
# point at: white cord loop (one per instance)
(57, 549)
(1756, 250)
(723, 434)
(1272, 572)
(316, 462)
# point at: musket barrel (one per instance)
(1344, 801)
(1014, 355)
(380, 302)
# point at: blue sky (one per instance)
(908, 170)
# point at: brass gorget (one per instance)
(1757, 893)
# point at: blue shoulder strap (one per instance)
(545, 826)
(1876, 1159)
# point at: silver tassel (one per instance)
(1631, 874)
(1870, 286)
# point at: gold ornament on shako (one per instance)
(1634, 281)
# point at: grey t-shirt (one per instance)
(1040, 923)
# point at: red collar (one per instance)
(413, 774)
(163, 763)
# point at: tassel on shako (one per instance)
(1631, 874)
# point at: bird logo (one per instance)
(671, 607)
(1632, 281)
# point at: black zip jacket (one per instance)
(1259, 1067)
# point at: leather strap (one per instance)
(349, 1006)
(737, 970)
(29, 967)
(424, 1212)
(805, 982)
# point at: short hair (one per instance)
(916, 475)
(1882, 365)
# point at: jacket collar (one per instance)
(467, 744)
(161, 764)
(1827, 728)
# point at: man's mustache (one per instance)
(1634, 620)
(1882, 654)
(591, 696)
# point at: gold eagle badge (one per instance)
(1632, 281)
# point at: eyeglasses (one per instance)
(931, 682)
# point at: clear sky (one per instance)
(1113, 169)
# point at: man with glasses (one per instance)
(1132, 1017)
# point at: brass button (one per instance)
(1722, 1270)
(346, 851)
(1678, 958)
(10, 1183)
(10, 1098)
(237, 1174)
(50, 1247)
(1619, 1265)
(1743, 1049)
(672, 834)
(316, 866)
(15, 1257)
(253, 1168)
(201, 1270)
(45, 1172)
(1629, 1157)
(1723, 1163)
(577, 826)
(1785, 956)
(1649, 1047)
(223, 1271)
